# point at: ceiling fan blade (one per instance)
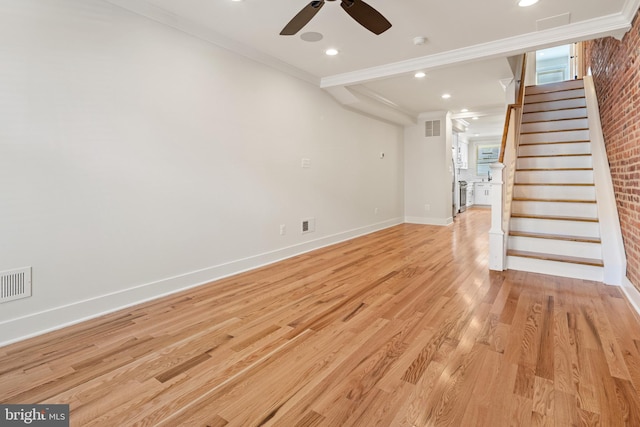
(302, 18)
(366, 16)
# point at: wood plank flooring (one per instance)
(403, 327)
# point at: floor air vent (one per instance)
(15, 284)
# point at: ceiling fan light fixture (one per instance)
(526, 3)
(359, 10)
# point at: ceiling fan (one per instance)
(366, 16)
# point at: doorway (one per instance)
(557, 64)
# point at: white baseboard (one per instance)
(31, 325)
(427, 220)
(632, 294)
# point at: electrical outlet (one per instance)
(283, 229)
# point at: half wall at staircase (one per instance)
(615, 66)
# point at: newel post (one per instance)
(497, 250)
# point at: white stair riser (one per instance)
(551, 177)
(554, 125)
(562, 269)
(568, 192)
(551, 226)
(564, 136)
(555, 149)
(554, 96)
(554, 115)
(556, 247)
(549, 87)
(578, 210)
(555, 162)
(554, 105)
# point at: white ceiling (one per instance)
(465, 53)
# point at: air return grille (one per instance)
(15, 284)
(432, 128)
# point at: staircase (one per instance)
(554, 226)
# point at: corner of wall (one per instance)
(633, 295)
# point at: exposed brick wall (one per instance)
(615, 66)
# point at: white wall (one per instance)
(428, 170)
(136, 160)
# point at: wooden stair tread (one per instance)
(555, 237)
(553, 120)
(554, 217)
(550, 110)
(570, 98)
(558, 258)
(554, 155)
(553, 109)
(554, 87)
(553, 131)
(569, 184)
(553, 169)
(556, 142)
(532, 199)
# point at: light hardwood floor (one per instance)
(403, 327)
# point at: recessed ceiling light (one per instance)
(419, 74)
(474, 118)
(446, 96)
(476, 134)
(464, 110)
(525, 3)
(331, 52)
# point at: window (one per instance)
(487, 154)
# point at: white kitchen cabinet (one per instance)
(482, 194)
(470, 195)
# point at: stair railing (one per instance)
(503, 173)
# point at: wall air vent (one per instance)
(432, 128)
(308, 225)
(15, 284)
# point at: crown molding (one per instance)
(630, 9)
(615, 24)
(157, 14)
(371, 104)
